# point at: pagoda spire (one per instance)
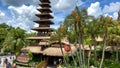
(44, 21)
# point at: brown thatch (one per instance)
(86, 47)
(45, 4)
(99, 39)
(37, 38)
(44, 9)
(54, 51)
(42, 28)
(33, 49)
(112, 48)
(45, 1)
(44, 43)
(44, 21)
(44, 15)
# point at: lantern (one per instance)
(67, 48)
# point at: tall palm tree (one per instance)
(93, 29)
(105, 24)
(59, 34)
(71, 24)
(76, 23)
(115, 33)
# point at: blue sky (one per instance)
(21, 13)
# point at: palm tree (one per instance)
(4, 29)
(71, 24)
(76, 23)
(115, 32)
(15, 39)
(59, 34)
(105, 23)
(93, 29)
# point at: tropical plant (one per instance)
(58, 35)
(15, 40)
(105, 24)
(115, 36)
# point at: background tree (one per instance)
(4, 29)
(115, 36)
(93, 29)
(15, 40)
(58, 35)
(105, 24)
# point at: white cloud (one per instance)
(79, 3)
(64, 5)
(23, 16)
(115, 15)
(2, 14)
(3, 17)
(113, 7)
(107, 15)
(94, 9)
(18, 3)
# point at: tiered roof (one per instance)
(44, 23)
(43, 34)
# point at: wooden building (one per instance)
(41, 48)
(49, 52)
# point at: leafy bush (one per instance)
(111, 64)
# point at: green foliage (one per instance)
(4, 28)
(88, 28)
(111, 64)
(30, 55)
(13, 39)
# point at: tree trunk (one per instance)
(117, 53)
(81, 42)
(89, 57)
(62, 53)
(94, 44)
(73, 57)
(104, 46)
(78, 54)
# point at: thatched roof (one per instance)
(33, 49)
(112, 48)
(99, 39)
(37, 38)
(43, 43)
(54, 51)
(44, 21)
(44, 9)
(45, 4)
(44, 14)
(48, 1)
(42, 28)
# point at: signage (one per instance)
(67, 48)
(23, 59)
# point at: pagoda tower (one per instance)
(43, 30)
(41, 49)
